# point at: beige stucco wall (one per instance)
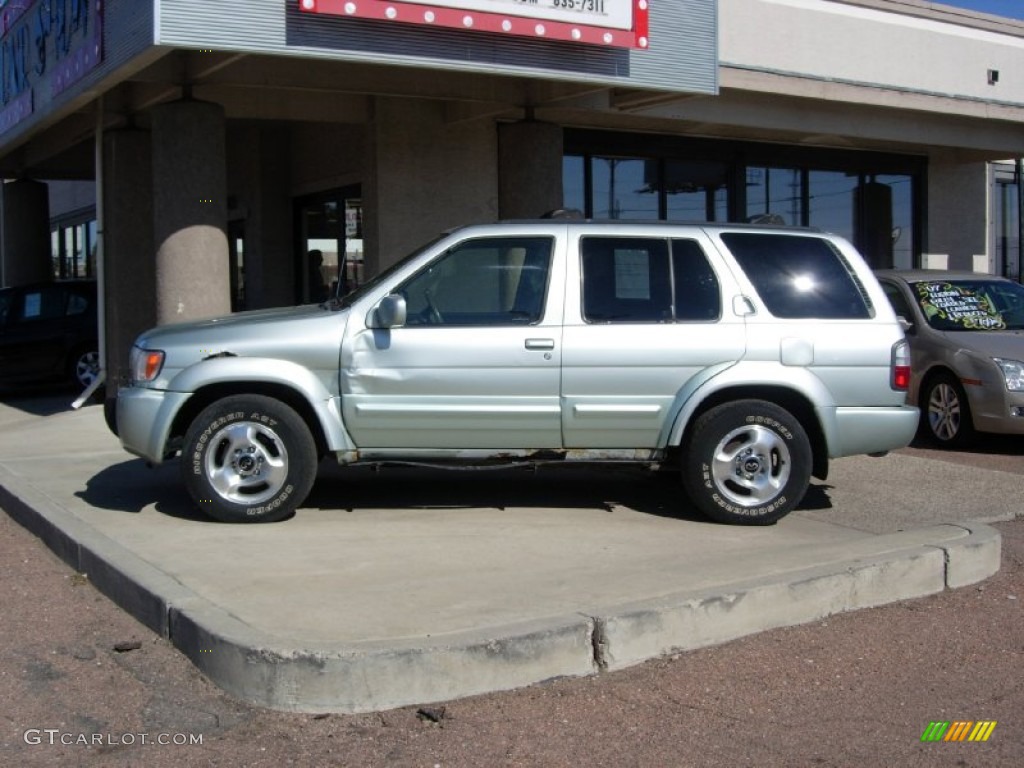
(428, 173)
(854, 43)
(958, 210)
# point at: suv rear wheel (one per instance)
(248, 458)
(747, 462)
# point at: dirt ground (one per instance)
(83, 684)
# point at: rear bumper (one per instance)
(871, 430)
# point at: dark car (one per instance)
(48, 333)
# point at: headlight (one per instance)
(146, 364)
(1013, 373)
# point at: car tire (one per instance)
(83, 366)
(747, 462)
(248, 459)
(945, 413)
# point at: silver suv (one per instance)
(743, 357)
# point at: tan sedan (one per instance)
(966, 335)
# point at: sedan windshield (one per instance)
(971, 305)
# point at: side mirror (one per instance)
(389, 312)
(906, 325)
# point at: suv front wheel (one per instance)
(747, 462)
(248, 458)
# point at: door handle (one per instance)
(540, 343)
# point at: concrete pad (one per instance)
(410, 586)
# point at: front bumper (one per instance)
(995, 410)
(144, 418)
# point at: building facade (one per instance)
(201, 158)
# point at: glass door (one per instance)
(330, 249)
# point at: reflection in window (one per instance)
(844, 193)
(902, 232)
(775, 193)
(831, 201)
(482, 282)
(799, 277)
(696, 191)
(574, 192)
(621, 190)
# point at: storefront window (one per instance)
(621, 189)
(902, 234)
(73, 247)
(574, 182)
(1006, 218)
(775, 194)
(868, 198)
(330, 253)
(696, 191)
(831, 201)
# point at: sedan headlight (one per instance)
(146, 364)
(1013, 373)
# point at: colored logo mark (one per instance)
(959, 730)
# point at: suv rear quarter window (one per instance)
(799, 277)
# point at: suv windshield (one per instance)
(971, 305)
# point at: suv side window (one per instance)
(697, 295)
(487, 281)
(635, 280)
(799, 277)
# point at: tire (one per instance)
(747, 462)
(83, 366)
(945, 412)
(248, 459)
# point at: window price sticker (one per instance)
(615, 23)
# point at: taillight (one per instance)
(900, 379)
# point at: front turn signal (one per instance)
(146, 364)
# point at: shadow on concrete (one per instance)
(355, 488)
(131, 486)
(40, 401)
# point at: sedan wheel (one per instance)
(946, 416)
(85, 367)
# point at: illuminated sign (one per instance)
(616, 23)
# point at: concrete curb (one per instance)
(270, 672)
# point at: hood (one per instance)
(239, 326)
(1006, 344)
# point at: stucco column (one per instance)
(129, 265)
(25, 255)
(529, 169)
(190, 211)
(958, 210)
